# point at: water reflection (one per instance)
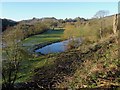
(56, 47)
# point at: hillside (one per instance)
(7, 23)
(92, 64)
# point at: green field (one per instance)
(46, 37)
(28, 66)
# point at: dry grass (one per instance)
(100, 69)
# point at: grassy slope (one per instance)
(95, 65)
(100, 67)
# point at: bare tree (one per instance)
(11, 65)
(100, 15)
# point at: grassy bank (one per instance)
(92, 66)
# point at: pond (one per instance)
(55, 47)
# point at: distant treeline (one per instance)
(51, 21)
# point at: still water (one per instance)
(56, 47)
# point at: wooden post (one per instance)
(115, 27)
(115, 24)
